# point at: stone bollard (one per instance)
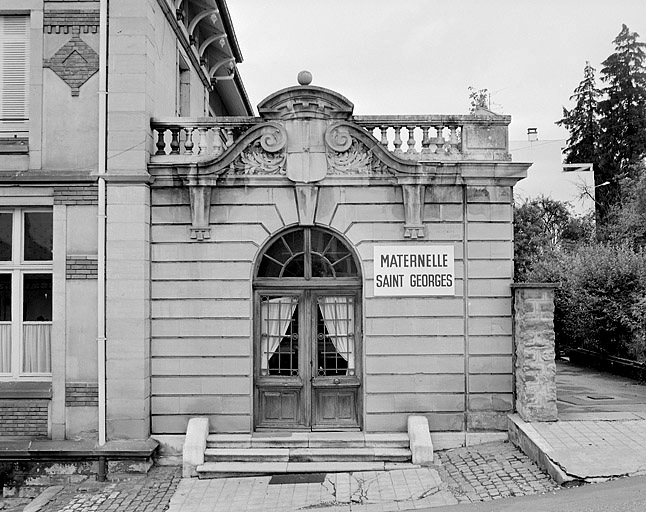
(421, 446)
(194, 445)
(535, 366)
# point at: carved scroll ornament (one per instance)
(265, 155)
(348, 155)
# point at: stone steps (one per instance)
(365, 454)
(308, 440)
(301, 452)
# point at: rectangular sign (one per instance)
(402, 270)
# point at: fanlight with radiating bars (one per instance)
(307, 253)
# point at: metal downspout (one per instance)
(102, 167)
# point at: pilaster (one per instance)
(128, 310)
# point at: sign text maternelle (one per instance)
(414, 270)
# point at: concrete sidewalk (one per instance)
(600, 433)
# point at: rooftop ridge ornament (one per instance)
(304, 77)
(305, 101)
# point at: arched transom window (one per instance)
(307, 253)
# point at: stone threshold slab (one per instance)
(224, 469)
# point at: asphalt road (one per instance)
(622, 495)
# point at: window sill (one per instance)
(25, 390)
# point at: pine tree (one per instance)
(622, 143)
(582, 121)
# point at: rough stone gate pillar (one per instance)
(535, 366)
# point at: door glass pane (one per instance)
(37, 327)
(5, 236)
(335, 336)
(279, 335)
(38, 236)
(5, 323)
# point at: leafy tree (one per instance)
(600, 303)
(582, 121)
(626, 222)
(542, 228)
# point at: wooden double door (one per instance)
(307, 359)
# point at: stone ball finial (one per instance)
(305, 78)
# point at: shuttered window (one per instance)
(14, 73)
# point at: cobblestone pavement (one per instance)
(461, 475)
(144, 494)
(492, 471)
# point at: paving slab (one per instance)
(585, 448)
(601, 429)
(405, 489)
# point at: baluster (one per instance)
(203, 144)
(384, 135)
(426, 141)
(411, 140)
(398, 140)
(188, 143)
(455, 140)
(229, 133)
(161, 143)
(217, 142)
(439, 139)
(454, 135)
(174, 143)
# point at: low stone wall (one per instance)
(535, 366)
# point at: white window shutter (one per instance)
(14, 69)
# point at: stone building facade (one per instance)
(303, 269)
(312, 269)
(79, 82)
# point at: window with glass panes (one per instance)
(26, 237)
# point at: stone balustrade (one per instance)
(408, 137)
(416, 136)
(198, 136)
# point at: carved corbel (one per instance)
(200, 197)
(306, 200)
(199, 194)
(413, 194)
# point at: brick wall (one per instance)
(24, 418)
(81, 267)
(77, 60)
(81, 394)
(62, 21)
(78, 194)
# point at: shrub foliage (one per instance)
(601, 299)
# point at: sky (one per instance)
(420, 56)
